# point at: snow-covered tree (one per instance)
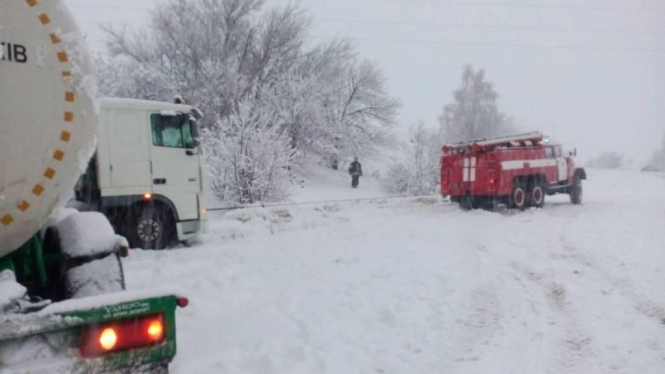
(250, 159)
(474, 114)
(415, 171)
(218, 54)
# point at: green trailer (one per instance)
(99, 335)
(126, 331)
(63, 304)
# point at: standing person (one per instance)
(356, 171)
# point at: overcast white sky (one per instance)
(588, 72)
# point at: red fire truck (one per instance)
(518, 171)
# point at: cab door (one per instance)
(175, 162)
(562, 165)
(128, 150)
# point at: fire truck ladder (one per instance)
(521, 139)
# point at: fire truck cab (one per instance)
(518, 171)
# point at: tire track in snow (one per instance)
(573, 343)
(475, 331)
(625, 287)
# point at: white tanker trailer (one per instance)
(57, 312)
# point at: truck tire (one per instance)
(151, 227)
(56, 272)
(466, 202)
(97, 277)
(536, 195)
(518, 198)
(576, 191)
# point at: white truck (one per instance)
(147, 174)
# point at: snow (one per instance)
(317, 183)
(415, 285)
(10, 290)
(87, 234)
(112, 299)
(57, 217)
(98, 277)
(419, 286)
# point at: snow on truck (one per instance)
(518, 171)
(63, 308)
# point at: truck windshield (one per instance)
(173, 131)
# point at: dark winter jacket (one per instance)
(356, 169)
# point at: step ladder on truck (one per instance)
(518, 171)
(63, 304)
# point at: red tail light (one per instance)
(108, 339)
(122, 335)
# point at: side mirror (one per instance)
(575, 152)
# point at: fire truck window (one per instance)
(549, 153)
(558, 152)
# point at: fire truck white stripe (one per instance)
(519, 164)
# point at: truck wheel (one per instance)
(518, 197)
(489, 204)
(466, 202)
(150, 228)
(537, 195)
(576, 192)
(96, 277)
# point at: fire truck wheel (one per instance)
(466, 202)
(518, 197)
(576, 192)
(537, 195)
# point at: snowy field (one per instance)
(418, 286)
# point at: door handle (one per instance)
(159, 181)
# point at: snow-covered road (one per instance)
(418, 286)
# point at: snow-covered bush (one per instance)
(474, 114)
(657, 162)
(10, 289)
(606, 160)
(416, 170)
(249, 156)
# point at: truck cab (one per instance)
(147, 174)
